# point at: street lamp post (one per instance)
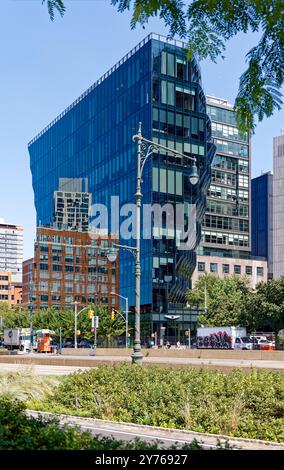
(31, 306)
(75, 324)
(76, 313)
(126, 316)
(145, 149)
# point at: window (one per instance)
(237, 269)
(185, 98)
(168, 64)
(226, 269)
(259, 271)
(213, 267)
(220, 114)
(43, 266)
(56, 267)
(232, 148)
(44, 248)
(249, 270)
(69, 268)
(221, 130)
(168, 93)
(180, 69)
(201, 267)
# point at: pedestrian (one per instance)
(168, 345)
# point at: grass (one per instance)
(26, 386)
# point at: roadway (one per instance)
(57, 364)
(164, 436)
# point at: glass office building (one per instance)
(262, 218)
(154, 84)
(226, 226)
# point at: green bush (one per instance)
(237, 404)
(20, 432)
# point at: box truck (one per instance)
(223, 337)
(17, 338)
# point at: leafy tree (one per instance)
(55, 6)
(207, 25)
(54, 319)
(264, 309)
(13, 318)
(225, 299)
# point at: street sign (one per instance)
(95, 322)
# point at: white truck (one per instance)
(223, 337)
(17, 338)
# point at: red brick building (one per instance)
(70, 266)
(27, 279)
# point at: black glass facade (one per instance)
(156, 85)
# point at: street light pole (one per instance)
(31, 325)
(137, 355)
(75, 324)
(76, 313)
(145, 149)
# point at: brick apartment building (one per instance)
(10, 291)
(70, 266)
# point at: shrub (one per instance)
(238, 404)
(20, 432)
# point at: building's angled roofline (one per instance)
(269, 173)
(218, 101)
(174, 42)
(11, 226)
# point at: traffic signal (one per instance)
(113, 313)
(78, 332)
(90, 313)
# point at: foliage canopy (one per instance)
(206, 26)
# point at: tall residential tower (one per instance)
(11, 249)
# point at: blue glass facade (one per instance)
(156, 85)
(261, 217)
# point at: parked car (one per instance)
(244, 342)
(84, 343)
(257, 338)
(68, 344)
(266, 345)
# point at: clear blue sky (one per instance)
(45, 66)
